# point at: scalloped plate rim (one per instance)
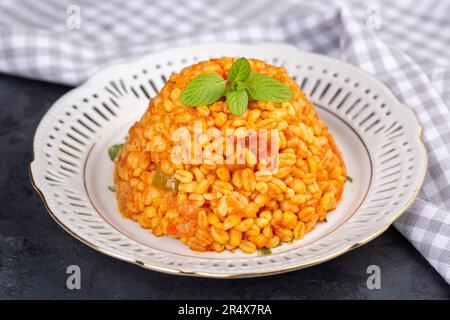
(109, 68)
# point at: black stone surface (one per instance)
(35, 252)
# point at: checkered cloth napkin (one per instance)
(404, 44)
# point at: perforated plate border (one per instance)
(71, 126)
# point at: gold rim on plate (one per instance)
(182, 271)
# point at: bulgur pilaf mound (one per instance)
(213, 207)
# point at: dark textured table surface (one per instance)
(35, 252)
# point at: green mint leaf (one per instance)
(349, 179)
(114, 151)
(112, 188)
(237, 101)
(239, 71)
(265, 88)
(239, 85)
(203, 90)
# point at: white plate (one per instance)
(378, 136)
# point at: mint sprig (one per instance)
(237, 101)
(204, 89)
(241, 85)
(265, 88)
(239, 71)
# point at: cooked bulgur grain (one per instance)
(212, 207)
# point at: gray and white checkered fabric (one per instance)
(405, 44)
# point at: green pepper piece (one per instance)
(165, 182)
(264, 251)
(114, 151)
